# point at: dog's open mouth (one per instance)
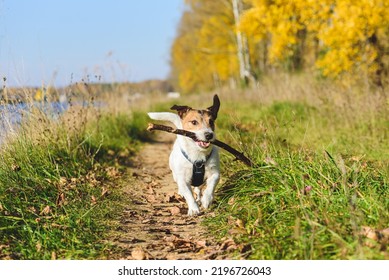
(203, 144)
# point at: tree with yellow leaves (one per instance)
(204, 51)
(338, 36)
(219, 40)
(354, 40)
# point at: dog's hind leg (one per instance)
(186, 192)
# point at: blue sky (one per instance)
(62, 41)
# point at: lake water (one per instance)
(11, 115)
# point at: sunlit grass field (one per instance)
(319, 191)
(323, 178)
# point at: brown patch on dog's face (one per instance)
(198, 119)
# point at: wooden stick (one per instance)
(238, 155)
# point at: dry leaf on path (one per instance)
(173, 197)
(228, 245)
(175, 210)
(138, 253)
(151, 198)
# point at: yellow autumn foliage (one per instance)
(352, 40)
(335, 37)
(204, 52)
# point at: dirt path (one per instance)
(154, 225)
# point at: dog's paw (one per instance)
(206, 201)
(194, 211)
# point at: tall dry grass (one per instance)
(56, 173)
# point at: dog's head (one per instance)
(201, 122)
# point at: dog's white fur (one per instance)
(182, 168)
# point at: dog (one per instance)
(194, 163)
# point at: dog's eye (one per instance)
(194, 122)
(211, 122)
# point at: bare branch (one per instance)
(238, 155)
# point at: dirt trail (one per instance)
(154, 225)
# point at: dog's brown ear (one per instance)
(215, 107)
(181, 110)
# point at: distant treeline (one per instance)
(223, 42)
(80, 90)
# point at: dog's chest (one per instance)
(197, 175)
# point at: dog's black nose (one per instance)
(208, 135)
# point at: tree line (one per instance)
(234, 42)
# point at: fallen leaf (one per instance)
(231, 201)
(62, 181)
(369, 233)
(60, 199)
(228, 245)
(239, 223)
(138, 253)
(173, 197)
(201, 243)
(104, 191)
(170, 238)
(38, 246)
(175, 210)
(112, 172)
(45, 210)
(374, 234)
(93, 199)
(151, 198)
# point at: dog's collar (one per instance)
(198, 168)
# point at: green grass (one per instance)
(322, 177)
(54, 183)
(304, 206)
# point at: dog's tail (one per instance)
(166, 116)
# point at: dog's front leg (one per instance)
(186, 192)
(207, 197)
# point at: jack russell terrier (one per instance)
(194, 163)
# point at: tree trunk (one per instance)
(242, 48)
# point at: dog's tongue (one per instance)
(203, 144)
